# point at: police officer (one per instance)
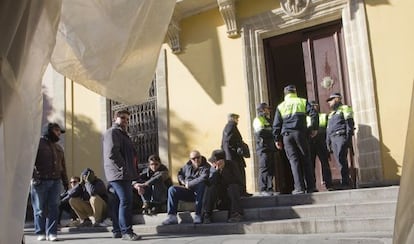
(265, 148)
(318, 147)
(339, 133)
(290, 127)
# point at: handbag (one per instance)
(244, 150)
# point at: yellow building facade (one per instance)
(214, 62)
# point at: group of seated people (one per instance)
(212, 184)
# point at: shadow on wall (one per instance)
(181, 142)
(389, 164)
(84, 142)
(202, 54)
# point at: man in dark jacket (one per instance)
(232, 144)
(48, 175)
(223, 188)
(89, 199)
(153, 184)
(120, 170)
(192, 179)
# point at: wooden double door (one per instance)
(314, 60)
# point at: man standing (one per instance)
(265, 148)
(290, 127)
(192, 178)
(232, 143)
(120, 169)
(318, 147)
(339, 133)
(48, 175)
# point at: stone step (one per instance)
(290, 226)
(345, 196)
(368, 209)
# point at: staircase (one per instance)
(367, 210)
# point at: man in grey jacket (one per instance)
(120, 170)
(192, 178)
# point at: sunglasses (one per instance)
(196, 157)
(154, 164)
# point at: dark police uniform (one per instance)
(290, 126)
(339, 136)
(318, 148)
(265, 148)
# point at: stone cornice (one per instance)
(227, 10)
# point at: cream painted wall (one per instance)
(391, 34)
(84, 123)
(205, 84)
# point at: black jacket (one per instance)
(231, 141)
(194, 176)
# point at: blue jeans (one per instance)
(121, 206)
(45, 196)
(176, 193)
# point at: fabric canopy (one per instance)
(110, 47)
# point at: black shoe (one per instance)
(206, 219)
(131, 237)
(116, 235)
(246, 194)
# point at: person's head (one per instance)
(154, 162)
(233, 117)
(217, 158)
(53, 131)
(289, 89)
(122, 118)
(334, 99)
(315, 105)
(195, 158)
(263, 109)
(74, 181)
(88, 174)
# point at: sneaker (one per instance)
(85, 223)
(265, 193)
(52, 237)
(41, 237)
(197, 219)
(171, 220)
(295, 192)
(235, 217)
(131, 237)
(116, 235)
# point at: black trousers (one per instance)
(318, 148)
(266, 169)
(223, 198)
(339, 145)
(297, 151)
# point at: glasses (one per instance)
(194, 158)
(73, 181)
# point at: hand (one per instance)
(186, 184)
(279, 145)
(313, 133)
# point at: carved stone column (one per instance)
(173, 35)
(228, 13)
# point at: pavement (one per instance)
(103, 237)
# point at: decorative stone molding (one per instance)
(227, 10)
(173, 34)
(352, 13)
(295, 8)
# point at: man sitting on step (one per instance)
(223, 188)
(192, 178)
